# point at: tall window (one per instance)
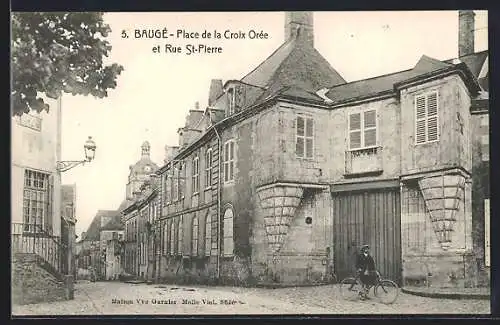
(194, 237)
(165, 238)
(36, 201)
(304, 139)
(172, 237)
(181, 179)
(208, 168)
(208, 235)
(228, 232)
(175, 184)
(196, 175)
(363, 129)
(229, 161)
(180, 236)
(426, 117)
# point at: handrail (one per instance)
(33, 239)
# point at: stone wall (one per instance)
(31, 283)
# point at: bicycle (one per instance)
(387, 291)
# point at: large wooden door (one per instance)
(368, 217)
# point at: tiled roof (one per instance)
(377, 85)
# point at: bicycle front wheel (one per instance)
(387, 291)
(350, 289)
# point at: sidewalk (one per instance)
(449, 293)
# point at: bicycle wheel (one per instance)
(387, 291)
(350, 289)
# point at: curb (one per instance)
(447, 295)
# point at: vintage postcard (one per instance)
(208, 163)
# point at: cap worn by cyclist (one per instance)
(365, 247)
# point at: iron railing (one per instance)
(33, 239)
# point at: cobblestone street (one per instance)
(113, 298)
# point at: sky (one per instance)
(156, 90)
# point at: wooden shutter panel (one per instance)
(355, 131)
(370, 128)
(420, 122)
(432, 117)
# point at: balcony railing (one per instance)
(363, 161)
(33, 239)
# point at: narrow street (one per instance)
(115, 298)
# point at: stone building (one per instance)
(39, 253)
(291, 168)
(135, 214)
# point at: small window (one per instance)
(304, 139)
(426, 118)
(363, 130)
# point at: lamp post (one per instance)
(89, 148)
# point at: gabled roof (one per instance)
(295, 65)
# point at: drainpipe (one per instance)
(219, 144)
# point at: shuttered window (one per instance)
(229, 161)
(363, 129)
(304, 140)
(208, 168)
(426, 117)
(196, 175)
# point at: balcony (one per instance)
(363, 162)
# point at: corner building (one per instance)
(290, 169)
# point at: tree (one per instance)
(53, 53)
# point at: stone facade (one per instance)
(31, 283)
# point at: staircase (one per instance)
(39, 265)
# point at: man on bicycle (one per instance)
(366, 272)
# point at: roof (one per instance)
(115, 223)
(475, 63)
(94, 228)
(385, 83)
(295, 65)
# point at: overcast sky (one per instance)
(155, 91)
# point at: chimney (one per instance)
(170, 152)
(465, 32)
(215, 91)
(299, 25)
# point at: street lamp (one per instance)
(89, 148)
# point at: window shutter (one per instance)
(370, 128)
(432, 115)
(420, 119)
(355, 131)
(50, 197)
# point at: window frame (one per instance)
(362, 129)
(304, 137)
(225, 235)
(208, 168)
(230, 162)
(426, 96)
(195, 230)
(208, 234)
(37, 196)
(195, 175)
(180, 236)
(172, 238)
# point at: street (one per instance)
(115, 298)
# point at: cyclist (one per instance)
(366, 272)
